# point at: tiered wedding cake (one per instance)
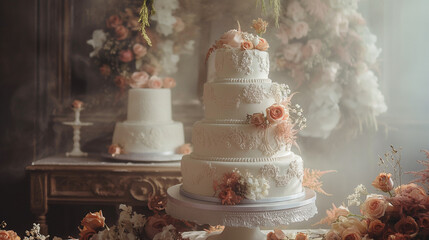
(242, 146)
(149, 127)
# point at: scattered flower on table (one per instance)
(115, 149)
(185, 149)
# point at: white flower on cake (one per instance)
(257, 187)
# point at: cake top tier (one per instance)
(241, 57)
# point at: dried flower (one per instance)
(333, 214)
(311, 180)
(157, 203)
(260, 26)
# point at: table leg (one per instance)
(39, 199)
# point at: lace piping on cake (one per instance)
(224, 159)
(151, 139)
(270, 218)
(257, 93)
(224, 121)
(235, 137)
(294, 171)
(242, 80)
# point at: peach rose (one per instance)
(139, 50)
(260, 26)
(299, 30)
(301, 236)
(276, 113)
(258, 119)
(77, 104)
(154, 225)
(423, 220)
(383, 182)
(105, 70)
(408, 226)
(351, 234)
(133, 24)
(120, 81)
(115, 149)
(374, 206)
(262, 45)
(232, 38)
(352, 222)
(332, 235)
(125, 56)
(9, 235)
(276, 235)
(155, 82)
(169, 82)
(376, 228)
(139, 80)
(412, 191)
(93, 220)
(86, 233)
(113, 21)
(121, 32)
(184, 149)
(246, 45)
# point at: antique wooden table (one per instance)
(92, 179)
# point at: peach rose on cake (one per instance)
(383, 182)
(139, 50)
(126, 56)
(374, 206)
(139, 80)
(93, 220)
(121, 32)
(408, 226)
(246, 45)
(169, 82)
(276, 113)
(155, 82)
(113, 21)
(258, 119)
(232, 38)
(262, 45)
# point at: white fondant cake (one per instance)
(149, 127)
(225, 142)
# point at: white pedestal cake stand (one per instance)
(77, 124)
(241, 221)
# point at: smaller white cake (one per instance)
(149, 127)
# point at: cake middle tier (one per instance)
(231, 102)
(283, 175)
(149, 138)
(213, 140)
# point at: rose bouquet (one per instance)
(125, 58)
(401, 213)
(330, 54)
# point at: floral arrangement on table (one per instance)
(328, 51)
(401, 213)
(126, 57)
(237, 39)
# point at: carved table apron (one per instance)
(96, 180)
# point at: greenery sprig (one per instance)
(275, 5)
(145, 12)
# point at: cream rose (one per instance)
(155, 82)
(169, 82)
(276, 113)
(332, 235)
(383, 182)
(232, 38)
(139, 50)
(374, 206)
(351, 234)
(139, 80)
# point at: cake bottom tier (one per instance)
(149, 138)
(274, 178)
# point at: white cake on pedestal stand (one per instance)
(241, 221)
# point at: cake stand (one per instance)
(241, 221)
(76, 124)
